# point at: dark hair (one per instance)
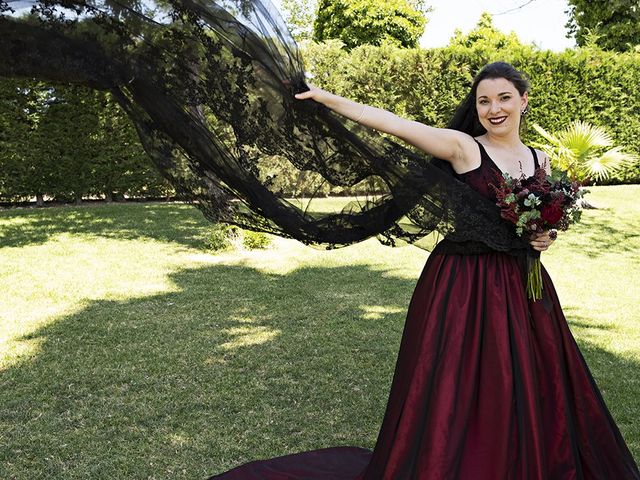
(465, 119)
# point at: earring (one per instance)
(524, 111)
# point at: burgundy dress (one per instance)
(488, 385)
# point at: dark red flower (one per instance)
(552, 212)
(556, 199)
(509, 214)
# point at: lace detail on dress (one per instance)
(480, 179)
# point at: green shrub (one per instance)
(585, 84)
(255, 240)
(223, 237)
(69, 142)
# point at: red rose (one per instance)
(551, 213)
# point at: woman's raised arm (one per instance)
(440, 142)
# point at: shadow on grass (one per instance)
(595, 236)
(617, 376)
(235, 366)
(172, 222)
(576, 321)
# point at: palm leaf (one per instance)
(551, 138)
(582, 135)
(577, 149)
(609, 162)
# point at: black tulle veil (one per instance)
(209, 86)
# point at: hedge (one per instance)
(77, 142)
(427, 84)
(67, 143)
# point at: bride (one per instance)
(488, 383)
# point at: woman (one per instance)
(488, 384)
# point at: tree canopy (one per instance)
(360, 22)
(485, 34)
(299, 16)
(612, 25)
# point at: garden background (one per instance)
(132, 347)
(67, 143)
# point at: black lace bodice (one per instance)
(480, 179)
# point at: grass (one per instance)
(128, 351)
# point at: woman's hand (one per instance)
(350, 109)
(542, 241)
(315, 93)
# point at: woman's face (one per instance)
(499, 105)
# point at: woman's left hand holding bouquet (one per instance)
(542, 241)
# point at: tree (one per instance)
(612, 25)
(65, 142)
(358, 22)
(24, 170)
(119, 164)
(65, 139)
(299, 15)
(485, 34)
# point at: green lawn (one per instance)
(129, 351)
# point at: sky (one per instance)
(534, 21)
(537, 21)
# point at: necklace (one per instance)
(521, 175)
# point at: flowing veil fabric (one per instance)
(209, 86)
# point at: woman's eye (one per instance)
(506, 98)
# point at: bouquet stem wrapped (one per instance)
(534, 278)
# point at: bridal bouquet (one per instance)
(537, 203)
